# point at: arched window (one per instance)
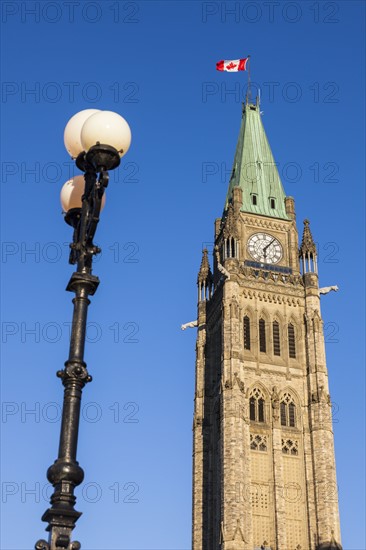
(291, 341)
(288, 411)
(256, 406)
(276, 338)
(262, 335)
(230, 248)
(246, 324)
(233, 251)
(227, 242)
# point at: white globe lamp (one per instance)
(72, 192)
(106, 128)
(73, 130)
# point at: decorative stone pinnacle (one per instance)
(229, 222)
(307, 247)
(204, 274)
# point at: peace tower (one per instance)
(263, 455)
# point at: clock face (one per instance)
(265, 248)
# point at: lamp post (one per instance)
(96, 140)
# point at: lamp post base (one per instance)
(61, 523)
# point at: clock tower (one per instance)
(263, 455)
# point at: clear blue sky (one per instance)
(154, 63)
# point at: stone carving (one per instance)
(238, 533)
(268, 224)
(219, 266)
(234, 308)
(230, 228)
(191, 324)
(327, 289)
(204, 274)
(228, 384)
(331, 545)
(317, 321)
(320, 395)
(239, 382)
(271, 298)
(256, 273)
(275, 403)
(307, 247)
(198, 421)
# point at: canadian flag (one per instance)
(232, 65)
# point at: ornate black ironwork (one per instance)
(66, 474)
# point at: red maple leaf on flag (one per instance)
(231, 66)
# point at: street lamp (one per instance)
(96, 140)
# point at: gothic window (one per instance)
(230, 248)
(291, 415)
(290, 447)
(262, 335)
(283, 414)
(258, 442)
(256, 405)
(254, 199)
(291, 341)
(246, 332)
(276, 338)
(288, 411)
(252, 408)
(272, 203)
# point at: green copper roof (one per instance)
(255, 170)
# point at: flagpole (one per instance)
(249, 93)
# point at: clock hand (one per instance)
(268, 245)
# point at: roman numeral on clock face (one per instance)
(265, 248)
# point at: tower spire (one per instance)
(254, 168)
